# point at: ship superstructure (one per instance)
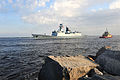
(67, 33)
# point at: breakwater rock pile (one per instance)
(103, 66)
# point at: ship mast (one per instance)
(106, 30)
(61, 27)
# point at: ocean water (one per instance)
(21, 58)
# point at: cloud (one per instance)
(58, 12)
(115, 5)
(77, 11)
(38, 18)
(67, 8)
(80, 13)
(10, 1)
(93, 10)
(21, 6)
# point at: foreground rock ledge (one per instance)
(65, 68)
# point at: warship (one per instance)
(60, 33)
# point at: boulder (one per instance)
(109, 60)
(65, 68)
(102, 50)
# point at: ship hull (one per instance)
(105, 37)
(39, 36)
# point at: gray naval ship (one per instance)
(60, 33)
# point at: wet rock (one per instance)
(84, 78)
(65, 68)
(110, 61)
(101, 77)
(105, 77)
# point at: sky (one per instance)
(91, 17)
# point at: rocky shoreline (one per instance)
(103, 66)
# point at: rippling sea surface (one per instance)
(21, 58)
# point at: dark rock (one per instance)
(102, 50)
(51, 70)
(84, 78)
(105, 77)
(110, 62)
